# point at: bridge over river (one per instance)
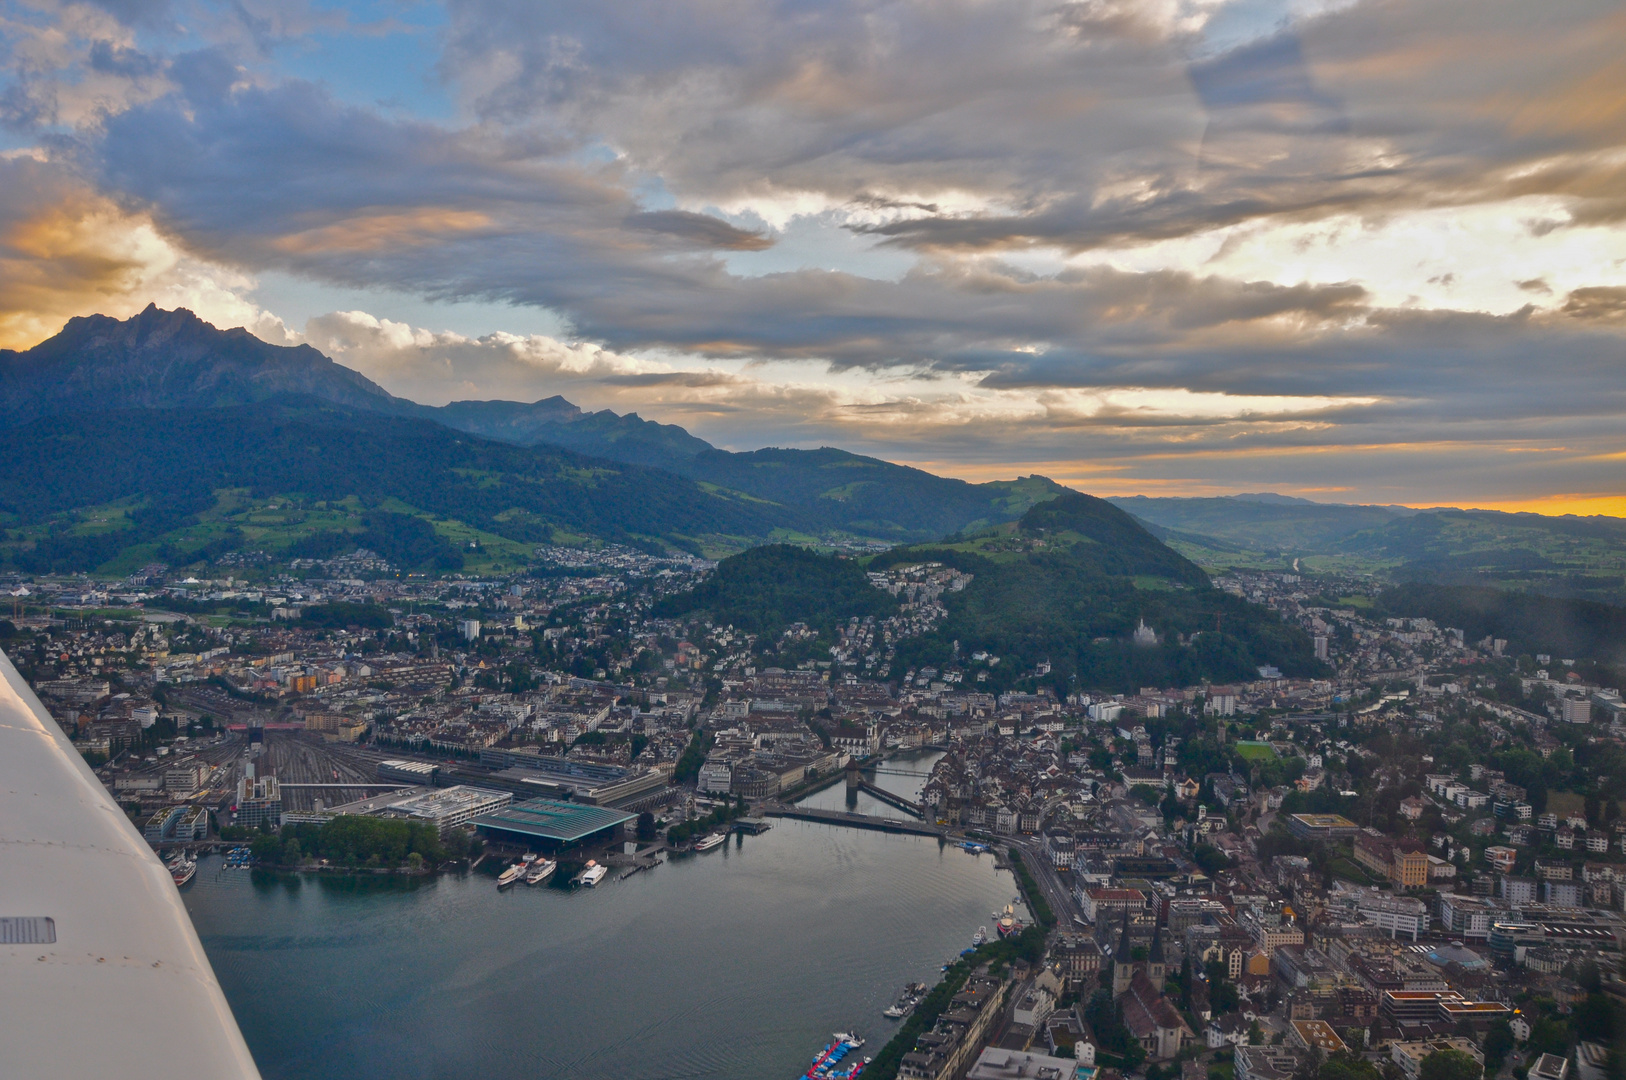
(856, 821)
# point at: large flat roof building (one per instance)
(447, 808)
(550, 824)
(1322, 826)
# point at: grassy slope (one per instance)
(192, 475)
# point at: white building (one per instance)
(716, 778)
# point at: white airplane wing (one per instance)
(101, 973)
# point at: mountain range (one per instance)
(163, 435)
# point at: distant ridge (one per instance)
(160, 365)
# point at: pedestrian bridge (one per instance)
(891, 798)
(856, 821)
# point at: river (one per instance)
(733, 964)
(905, 774)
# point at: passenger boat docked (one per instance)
(706, 843)
(593, 874)
(540, 871)
(183, 870)
(1008, 924)
(510, 875)
(906, 1003)
(979, 937)
(839, 1060)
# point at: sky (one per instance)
(1347, 250)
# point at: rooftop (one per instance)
(1326, 821)
(444, 802)
(550, 819)
(1319, 1034)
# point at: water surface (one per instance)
(733, 964)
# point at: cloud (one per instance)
(436, 367)
(1148, 237)
(66, 251)
(1078, 125)
(699, 230)
(1603, 303)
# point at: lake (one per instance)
(734, 964)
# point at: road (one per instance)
(1060, 898)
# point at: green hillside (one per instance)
(172, 360)
(1559, 556)
(88, 492)
(1069, 584)
(1531, 624)
(766, 588)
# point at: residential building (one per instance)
(998, 1064)
(1410, 1055)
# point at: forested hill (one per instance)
(1068, 584)
(765, 589)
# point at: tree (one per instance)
(1499, 1043)
(1348, 1066)
(1594, 1019)
(1548, 1036)
(1449, 1065)
(646, 827)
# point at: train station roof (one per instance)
(550, 819)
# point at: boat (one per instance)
(183, 871)
(540, 871)
(980, 937)
(706, 843)
(1008, 925)
(593, 874)
(973, 847)
(839, 1060)
(906, 1002)
(510, 875)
